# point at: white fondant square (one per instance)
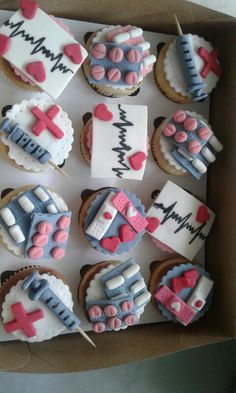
(107, 136)
(20, 51)
(181, 205)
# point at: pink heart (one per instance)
(5, 43)
(153, 224)
(126, 233)
(102, 113)
(202, 214)
(73, 51)
(136, 160)
(37, 70)
(29, 8)
(192, 276)
(110, 243)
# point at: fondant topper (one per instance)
(179, 220)
(41, 49)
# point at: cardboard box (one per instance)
(72, 353)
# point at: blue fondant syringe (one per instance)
(39, 290)
(193, 80)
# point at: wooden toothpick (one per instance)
(58, 169)
(180, 32)
(85, 336)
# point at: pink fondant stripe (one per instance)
(122, 204)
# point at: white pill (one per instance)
(17, 234)
(185, 154)
(131, 271)
(135, 288)
(141, 299)
(209, 156)
(51, 208)
(215, 143)
(148, 60)
(26, 204)
(144, 45)
(7, 216)
(137, 32)
(122, 37)
(41, 194)
(199, 165)
(115, 282)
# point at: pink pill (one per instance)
(44, 227)
(130, 320)
(110, 311)
(131, 78)
(98, 327)
(58, 253)
(114, 323)
(127, 305)
(116, 55)
(94, 312)
(40, 240)
(133, 56)
(60, 236)
(179, 116)
(114, 75)
(35, 252)
(99, 51)
(97, 72)
(63, 222)
(204, 133)
(169, 130)
(190, 124)
(180, 136)
(194, 147)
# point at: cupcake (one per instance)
(118, 61)
(187, 69)
(179, 221)
(113, 294)
(36, 135)
(36, 305)
(112, 220)
(34, 223)
(182, 291)
(37, 51)
(114, 141)
(184, 143)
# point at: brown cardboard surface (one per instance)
(72, 353)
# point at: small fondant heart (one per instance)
(202, 214)
(36, 70)
(131, 212)
(153, 224)
(192, 276)
(136, 160)
(102, 113)
(29, 8)
(73, 51)
(107, 216)
(110, 243)
(126, 233)
(175, 306)
(5, 43)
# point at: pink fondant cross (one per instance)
(23, 320)
(45, 120)
(210, 60)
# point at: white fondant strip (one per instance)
(122, 37)
(148, 60)
(141, 299)
(41, 194)
(17, 234)
(198, 164)
(135, 32)
(209, 156)
(51, 208)
(131, 271)
(138, 286)
(101, 224)
(26, 204)
(7, 216)
(144, 45)
(215, 143)
(200, 293)
(185, 154)
(115, 282)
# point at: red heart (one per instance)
(110, 243)
(136, 160)
(126, 233)
(102, 112)
(73, 51)
(179, 283)
(202, 214)
(4, 44)
(192, 276)
(153, 224)
(107, 216)
(29, 8)
(37, 70)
